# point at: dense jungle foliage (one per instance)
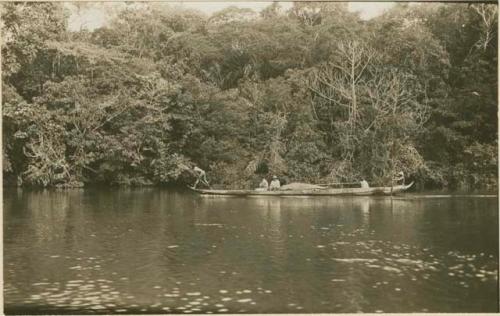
(312, 93)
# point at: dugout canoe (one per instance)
(310, 192)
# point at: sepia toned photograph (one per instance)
(249, 157)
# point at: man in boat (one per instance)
(201, 176)
(275, 184)
(364, 184)
(263, 185)
(399, 178)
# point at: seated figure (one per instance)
(263, 185)
(275, 184)
(399, 178)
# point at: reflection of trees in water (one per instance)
(36, 227)
(296, 227)
(48, 211)
(267, 230)
(275, 230)
(266, 242)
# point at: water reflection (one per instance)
(155, 251)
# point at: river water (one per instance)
(159, 251)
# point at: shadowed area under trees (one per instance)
(312, 93)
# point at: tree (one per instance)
(27, 28)
(311, 93)
(362, 101)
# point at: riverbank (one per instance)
(247, 95)
(412, 193)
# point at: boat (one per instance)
(325, 191)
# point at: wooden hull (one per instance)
(310, 192)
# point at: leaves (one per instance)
(312, 93)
